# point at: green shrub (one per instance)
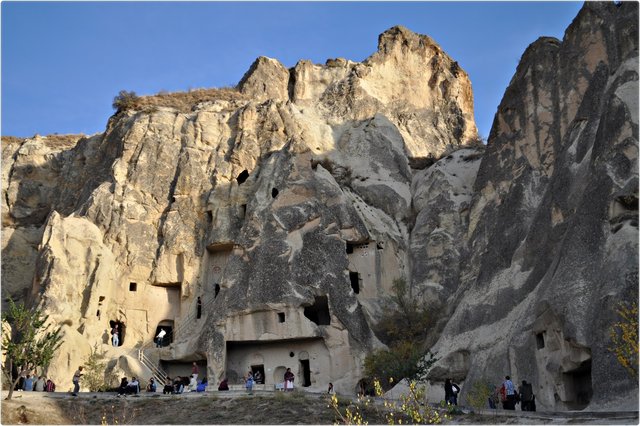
(95, 377)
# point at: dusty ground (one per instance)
(193, 408)
(237, 408)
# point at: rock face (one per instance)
(288, 212)
(553, 224)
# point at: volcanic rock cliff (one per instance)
(289, 206)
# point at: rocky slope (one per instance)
(290, 206)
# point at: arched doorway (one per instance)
(278, 374)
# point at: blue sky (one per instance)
(63, 62)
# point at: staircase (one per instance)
(159, 374)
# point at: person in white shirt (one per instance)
(160, 338)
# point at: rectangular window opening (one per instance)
(280, 316)
(133, 286)
(540, 340)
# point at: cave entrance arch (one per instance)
(122, 330)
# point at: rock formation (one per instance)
(286, 208)
(290, 206)
(552, 239)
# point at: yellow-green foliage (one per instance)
(479, 394)
(412, 408)
(624, 336)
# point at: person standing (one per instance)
(527, 398)
(115, 338)
(198, 308)
(76, 380)
(194, 370)
(330, 390)
(258, 377)
(451, 392)
(288, 380)
(248, 383)
(160, 338)
(510, 393)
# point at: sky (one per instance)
(63, 62)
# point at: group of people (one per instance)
(129, 387)
(509, 396)
(252, 378)
(30, 383)
(506, 393)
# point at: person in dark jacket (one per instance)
(122, 389)
(224, 385)
(451, 392)
(527, 398)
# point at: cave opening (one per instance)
(319, 311)
(122, 330)
(354, 277)
(578, 387)
(242, 177)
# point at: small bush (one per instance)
(124, 101)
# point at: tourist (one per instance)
(528, 399)
(248, 383)
(258, 377)
(288, 380)
(133, 387)
(122, 389)
(28, 384)
(193, 384)
(509, 402)
(115, 338)
(178, 385)
(198, 308)
(160, 338)
(39, 385)
(194, 370)
(330, 391)
(168, 387)
(451, 392)
(76, 380)
(224, 385)
(151, 387)
(50, 386)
